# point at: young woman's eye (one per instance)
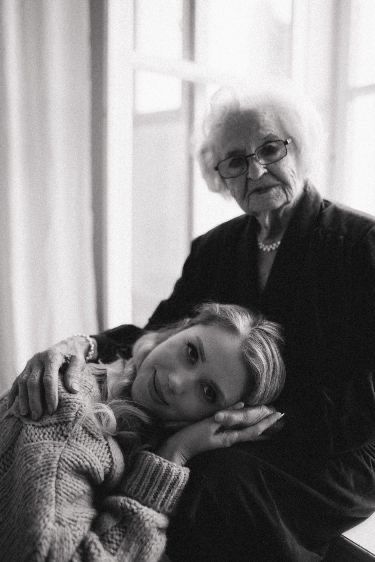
(209, 393)
(192, 353)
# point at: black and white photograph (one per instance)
(187, 280)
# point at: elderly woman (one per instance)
(308, 264)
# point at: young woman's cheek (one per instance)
(193, 409)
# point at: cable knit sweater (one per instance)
(66, 492)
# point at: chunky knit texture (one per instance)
(66, 492)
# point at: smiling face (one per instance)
(192, 374)
(263, 188)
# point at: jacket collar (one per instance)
(305, 215)
(288, 264)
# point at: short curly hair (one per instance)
(295, 112)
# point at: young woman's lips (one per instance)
(157, 389)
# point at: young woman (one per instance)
(99, 478)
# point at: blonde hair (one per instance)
(293, 111)
(261, 343)
(261, 347)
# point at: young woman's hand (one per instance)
(211, 434)
(36, 386)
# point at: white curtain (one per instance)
(47, 288)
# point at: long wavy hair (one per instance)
(261, 344)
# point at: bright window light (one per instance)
(362, 43)
(156, 92)
(360, 152)
(158, 30)
(249, 39)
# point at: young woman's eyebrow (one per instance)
(200, 347)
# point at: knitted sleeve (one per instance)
(132, 524)
(65, 494)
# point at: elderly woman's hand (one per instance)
(251, 423)
(235, 425)
(36, 386)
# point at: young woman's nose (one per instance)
(178, 382)
(255, 170)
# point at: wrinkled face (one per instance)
(262, 188)
(192, 374)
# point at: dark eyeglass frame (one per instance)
(255, 155)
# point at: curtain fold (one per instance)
(47, 287)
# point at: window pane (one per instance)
(160, 209)
(362, 43)
(158, 28)
(155, 92)
(360, 152)
(245, 37)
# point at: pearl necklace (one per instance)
(268, 247)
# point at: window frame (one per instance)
(121, 61)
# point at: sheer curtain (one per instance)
(47, 287)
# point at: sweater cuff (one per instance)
(155, 482)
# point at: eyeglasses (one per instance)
(269, 153)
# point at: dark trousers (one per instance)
(255, 502)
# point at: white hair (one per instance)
(285, 104)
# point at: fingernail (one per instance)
(35, 416)
(75, 386)
(280, 415)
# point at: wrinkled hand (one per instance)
(37, 385)
(222, 430)
(252, 422)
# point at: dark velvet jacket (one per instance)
(322, 290)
